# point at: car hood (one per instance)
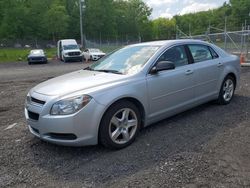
(74, 50)
(76, 81)
(36, 55)
(97, 53)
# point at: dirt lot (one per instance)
(208, 146)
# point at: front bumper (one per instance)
(37, 59)
(73, 58)
(78, 129)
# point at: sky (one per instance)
(169, 8)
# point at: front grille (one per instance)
(33, 115)
(62, 136)
(37, 101)
(74, 53)
(37, 58)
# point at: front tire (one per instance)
(120, 125)
(64, 59)
(227, 90)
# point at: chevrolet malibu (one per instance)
(111, 100)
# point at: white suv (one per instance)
(68, 50)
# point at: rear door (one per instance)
(208, 68)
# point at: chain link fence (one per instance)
(102, 42)
(235, 42)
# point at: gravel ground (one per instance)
(208, 146)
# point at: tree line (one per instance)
(111, 19)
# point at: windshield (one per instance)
(94, 50)
(36, 52)
(70, 47)
(128, 60)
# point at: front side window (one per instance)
(200, 52)
(176, 54)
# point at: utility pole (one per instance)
(190, 30)
(209, 30)
(225, 31)
(177, 36)
(209, 27)
(81, 25)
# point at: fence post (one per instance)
(242, 37)
(247, 41)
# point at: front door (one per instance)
(171, 91)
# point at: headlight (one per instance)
(28, 100)
(70, 105)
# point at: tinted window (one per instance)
(70, 47)
(200, 52)
(177, 55)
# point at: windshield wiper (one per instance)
(88, 68)
(103, 70)
(109, 71)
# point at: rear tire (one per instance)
(227, 90)
(120, 125)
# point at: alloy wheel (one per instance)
(228, 90)
(123, 126)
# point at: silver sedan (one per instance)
(110, 101)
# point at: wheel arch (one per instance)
(233, 76)
(133, 100)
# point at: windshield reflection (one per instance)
(128, 60)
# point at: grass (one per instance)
(15, 55)
(108, 49)
(20, 55)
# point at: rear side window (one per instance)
(214, 54)
(200, 52)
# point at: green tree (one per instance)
(240, 11)
(132, 18)
(164, 28)
(99, 18)
(56, 21)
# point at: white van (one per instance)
(68, 50)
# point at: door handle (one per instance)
(220, 64)
(188, 72)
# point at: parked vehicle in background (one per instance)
(109, 101)
(68, 50)
(93, 54)
(37, 56)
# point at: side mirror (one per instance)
(161, 66)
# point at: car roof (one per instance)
(169, 42)
(37, 50)
(68, 41)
